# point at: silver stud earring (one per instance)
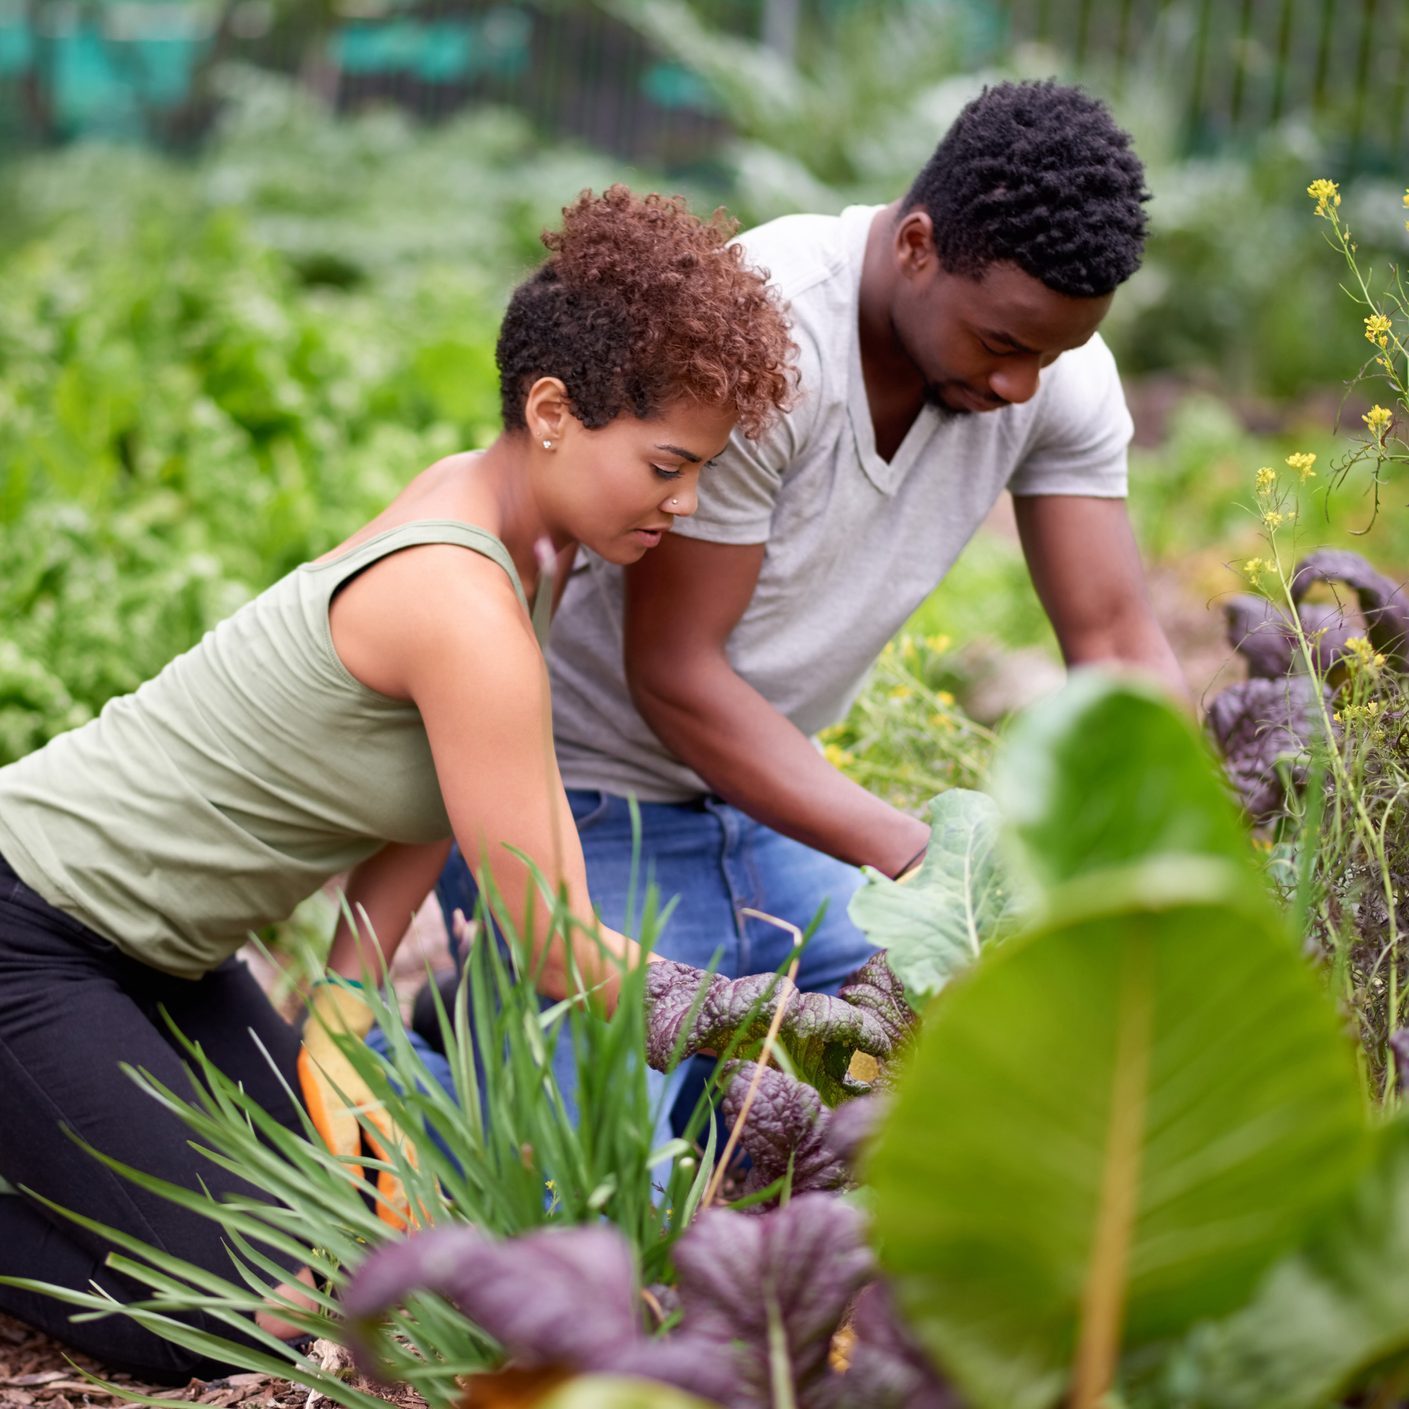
(547, 444)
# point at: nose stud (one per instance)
(674, 502)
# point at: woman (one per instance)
(330, 726)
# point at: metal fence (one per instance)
(1241, 65)
(142, 68)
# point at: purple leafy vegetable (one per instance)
(822, 1050)
(787, 1125)
(887, 1369)
(769, 1293)
(762, 1300)
(1257, 724)
(555, 1297)
(1399, 1049)
(560, 1298)
(1382, 602)
(1263, 635)
(689, 1010)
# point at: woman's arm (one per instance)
(447, 632)
(382, 895)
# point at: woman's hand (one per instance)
(335, 1093)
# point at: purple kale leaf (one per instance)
(769, 1293)
(557, 1298)
(870, 1014)
(762, 1299)
(689, 1010)
(887, 1368)
(788, 1126)
(1263, 635)
(1382, 601)
(1259, 724)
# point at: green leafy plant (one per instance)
(906, 737)
(1148, 1103)
(936, 922)
(498, 1148)
(852, 116)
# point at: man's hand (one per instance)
(334, 1093)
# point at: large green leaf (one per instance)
(935, 924)
(1110, 1129)
(1326, 1316)
(1107, 772)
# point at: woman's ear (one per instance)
(547, 411)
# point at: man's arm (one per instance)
(1086, 568)
(682, 601)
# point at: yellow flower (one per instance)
(1302, 461)
(942, 722)
(1325, 194)
(900, 692)
(1266, 478)
(944, 697)
(1273, 519)
(837, 756)
(938, 644)
(1254, 568)
(1365, 657)
(1377, 418)
(1405, 198)
(1377, 328)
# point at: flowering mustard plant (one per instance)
(1385, 312)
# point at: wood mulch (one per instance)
(39, 1373)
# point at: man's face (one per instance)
(982, 343)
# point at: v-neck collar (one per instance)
(885, 474)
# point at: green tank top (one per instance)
(232, 785)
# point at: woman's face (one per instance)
(618, 489)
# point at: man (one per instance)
(947, 351)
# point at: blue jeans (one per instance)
(714, 861)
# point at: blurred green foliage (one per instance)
(211, 372)
(215, 368)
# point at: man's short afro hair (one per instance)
(641, 303)
(1037, 174)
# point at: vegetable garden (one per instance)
(1143, 1142)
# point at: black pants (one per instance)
(72, 1007)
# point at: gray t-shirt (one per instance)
(855, 542)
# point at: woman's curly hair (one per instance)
(641, 303)
(1038, 174)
